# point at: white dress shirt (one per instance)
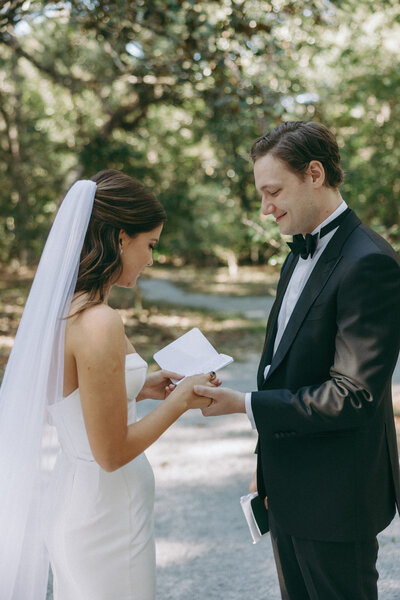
(298, 280)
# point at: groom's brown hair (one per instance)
(297, 143)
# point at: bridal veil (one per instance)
(33, 380)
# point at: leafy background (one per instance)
(174, 92)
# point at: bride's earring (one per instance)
(120, 250)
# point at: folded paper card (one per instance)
(256, 515)
(190, 354)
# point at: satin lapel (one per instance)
(318, 279)
(266, 355)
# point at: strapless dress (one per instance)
(99, 526)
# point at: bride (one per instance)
(73, 366)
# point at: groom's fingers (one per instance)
(224, 401)
(170, 388)
(204, 390)
(214, 394)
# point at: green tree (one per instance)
(173, 93)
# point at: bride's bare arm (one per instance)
(98, 346)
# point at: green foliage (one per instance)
(175, 92)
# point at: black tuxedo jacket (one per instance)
(327, 452)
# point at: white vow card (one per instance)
(190, 354)
(258, 524)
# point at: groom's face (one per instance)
(286, 196)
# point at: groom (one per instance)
(327, 455)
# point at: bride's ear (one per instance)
(121, 239)
(122, 236)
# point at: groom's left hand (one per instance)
(223, 401)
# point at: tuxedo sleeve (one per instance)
(366, 349)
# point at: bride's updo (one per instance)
(121, 202)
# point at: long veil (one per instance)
(33, 379)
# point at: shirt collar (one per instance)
(341, 208)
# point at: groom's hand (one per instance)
(223, 401)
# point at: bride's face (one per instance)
(137, 253)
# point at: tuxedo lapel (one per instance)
(320, 275)
(318, 278)
(272, 324)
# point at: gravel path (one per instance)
(161, 290)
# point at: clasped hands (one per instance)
(222, 400)
(160, 384)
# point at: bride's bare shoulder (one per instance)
(95, 326)
(99, 315)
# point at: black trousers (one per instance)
(315, 570)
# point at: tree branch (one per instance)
(73, 84)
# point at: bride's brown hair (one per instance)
(120, 202)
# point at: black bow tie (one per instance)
(306, 246)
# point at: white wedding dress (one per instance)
(99, 525)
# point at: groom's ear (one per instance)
(317, 172)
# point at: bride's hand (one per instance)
(158, 385)
(184, 391)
